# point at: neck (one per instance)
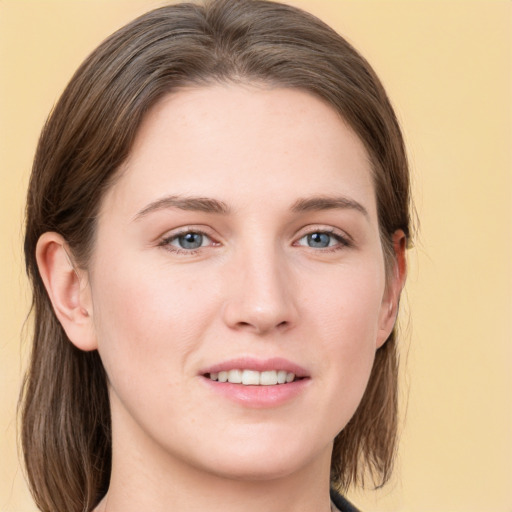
(233, 496)
(151, 480)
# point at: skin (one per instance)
(257, 287)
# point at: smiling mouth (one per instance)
(253, 377)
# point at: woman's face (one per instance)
(240, 242)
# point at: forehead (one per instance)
(243, 143)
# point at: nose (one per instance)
(261, 297)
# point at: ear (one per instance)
(68, 289)
(394, 286)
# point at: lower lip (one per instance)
(258, 397)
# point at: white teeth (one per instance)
(235, 376)
(268, 378)
(254, 378)
(250, 377)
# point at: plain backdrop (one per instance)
(447, 66)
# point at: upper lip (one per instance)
(260, 365)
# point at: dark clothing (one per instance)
(342, 504)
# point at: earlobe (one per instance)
(68, 290)
(395, 284)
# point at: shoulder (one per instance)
(342, 504)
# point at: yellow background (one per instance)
(447, 67)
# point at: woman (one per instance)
(216, 229)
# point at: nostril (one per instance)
(260, 327)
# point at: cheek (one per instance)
(348, 303)
(147, 321)
(347, 316)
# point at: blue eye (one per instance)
(186, 241)
(190, 240)
(323, 240)
(318, 240)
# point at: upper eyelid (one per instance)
(165, 240)
(318, 228)
(183, 230)
(340, 240)
(174, 236)
(208, 232)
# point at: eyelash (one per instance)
(343, 241)
(166, 242)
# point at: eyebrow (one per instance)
(209, 205)
(190, 203)
(320, 203)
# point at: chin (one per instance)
(258, 469)
(266, 461)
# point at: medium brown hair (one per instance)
(66, 431)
